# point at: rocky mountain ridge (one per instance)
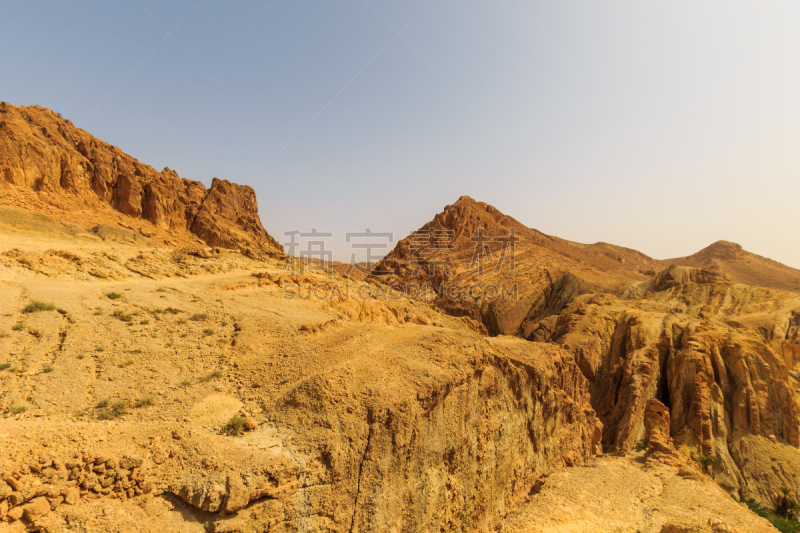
(721, 355)
(49, 166)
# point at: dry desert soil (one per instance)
(165, 366)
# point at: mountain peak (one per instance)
(721, 250)
(740, 266)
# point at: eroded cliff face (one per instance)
(48, 165)
(452, 449)
(722, 357)
(367, 444)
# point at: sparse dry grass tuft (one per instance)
(35, 307)
(148, 400)
(235, 426)
(109, 409)
(209, 377)
(125, 317)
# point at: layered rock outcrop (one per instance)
(48, 165)
(720, 356)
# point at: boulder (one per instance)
(37, 508)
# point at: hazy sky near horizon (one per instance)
(657, 125)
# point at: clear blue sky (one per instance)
(662, 126)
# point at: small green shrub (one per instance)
(19, 326)
(98, 312)
(147, 400)
(208, 377)
(47, 369)
(125, 317)
(109, 409)
(640, 446)
(782, 524)
(786, 525)
(105, 414)
(199, 317)
(80, 356)
(17, 409)
(181, 321)
(784, 505)
(4, 366)
(185, 383)
(707, 461)
(99, 349)
(113, 295)
(208, 332)
(144, 322)
(126, 363)
(35, 307)
(235, 426)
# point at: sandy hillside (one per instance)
(118, 387)
(364, 412)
